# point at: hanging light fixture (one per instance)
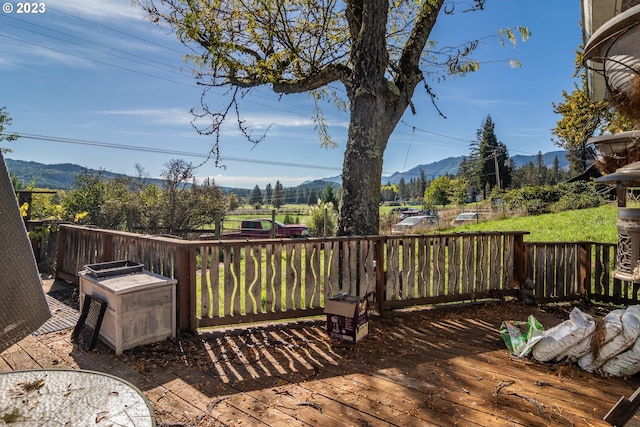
(614, 51)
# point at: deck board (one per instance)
(438, 367)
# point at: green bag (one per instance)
(517, 334)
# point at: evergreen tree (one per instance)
(328, 196)
(486, 153)
(256, 196)
(556, 173)
(278, 195)
(422, 184)
(267, 195)
(402, 189)
(312, 198)
(464, 169)
(541, 169)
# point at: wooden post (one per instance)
(584, 268)
(326, 221)
(183, 291)
(381, 277)
(218, 225)
(272, 232)
(107, 248)
(62, 243)
(519, 262)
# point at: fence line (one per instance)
(230, 282)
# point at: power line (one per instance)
(94, 23)
(281, 100)
(99, 62)
(467, 141)
(170, 68)
(164, 151)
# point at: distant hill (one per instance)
(450, 165)
(56, 177)
(320, 184)
(433, 170)
(61, 176)
(547, 159)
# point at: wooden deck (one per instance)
(438, 367)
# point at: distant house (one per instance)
(591, 173)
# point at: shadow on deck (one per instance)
(431, 367)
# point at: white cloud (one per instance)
(98, 9)
(177, 116)
(23, 52)
(164, 116)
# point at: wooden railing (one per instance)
(230, 282)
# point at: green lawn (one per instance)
(593, 225)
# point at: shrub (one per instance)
(316, 221)
(578, 195)
(535, 200)
(387, 219)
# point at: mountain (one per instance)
(433, 170)
(547, 159)
(61, 176)
(57, 177)
(450, 166)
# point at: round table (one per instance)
(66, 397)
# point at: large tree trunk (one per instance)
(377, 104)
(366, 141)
(362, 167)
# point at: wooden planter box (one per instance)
(141, 307)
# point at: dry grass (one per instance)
(627, 102)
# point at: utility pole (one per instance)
(495, 158)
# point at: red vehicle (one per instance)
(261, 229)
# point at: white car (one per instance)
(466, 218)
(408, 224)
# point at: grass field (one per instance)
(593, 225)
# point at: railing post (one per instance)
(326, 221)
(62, 243)
(185, 289)
(218, 224)
(107, 248)
(272, 232)
(380, 276)
(584, 267)
(519, 262)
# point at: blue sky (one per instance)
(98, 75)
